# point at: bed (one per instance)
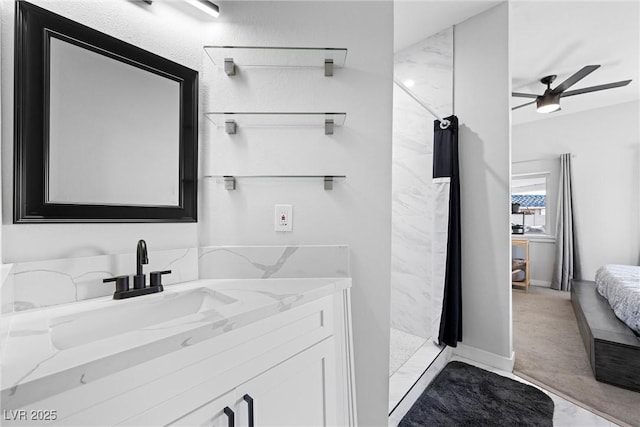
(620, 286)
(613, 346)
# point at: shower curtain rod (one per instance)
(444, 123)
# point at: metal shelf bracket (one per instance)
(229, 182)
(229, 67)
(230, 127)
(328, 183)
(328, 126)
(328, 67)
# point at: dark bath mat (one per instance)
(464, 395)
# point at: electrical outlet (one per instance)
(283, 220)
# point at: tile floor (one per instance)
(565, 414)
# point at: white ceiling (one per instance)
(561, 37)
(547, 37)
(415, 20)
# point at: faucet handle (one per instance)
(156, 277)
(122, 283)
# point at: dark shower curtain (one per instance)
(445, 165)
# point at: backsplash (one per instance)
(45, 283)
(40, 284)
(263, 262)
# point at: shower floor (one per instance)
(409, 357)
(402, 346)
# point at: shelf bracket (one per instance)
(230, 127)
(229, 182)
(328, 67)
(328, 126)
(229, 67)
(328, 183)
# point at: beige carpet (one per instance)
(549, 351)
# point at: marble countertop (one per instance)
(57, 348)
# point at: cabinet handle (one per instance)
(230, 415)
(249, 401)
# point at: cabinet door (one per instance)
(300, 391)
(212, 414)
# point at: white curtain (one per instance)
(566, 265)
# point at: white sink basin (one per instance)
(128, 315)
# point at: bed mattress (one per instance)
(620, 286)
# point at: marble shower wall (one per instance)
(429, 66)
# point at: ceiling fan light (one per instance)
(549, 108)
(548, 103)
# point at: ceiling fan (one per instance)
(550, 100)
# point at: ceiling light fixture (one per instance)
(409, 83)
(550, 100)
(548, 103)
(206, 6)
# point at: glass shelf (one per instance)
(230, 180)
(231, 120)
(269, 56)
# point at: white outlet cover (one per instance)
(283, 218)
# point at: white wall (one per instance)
(1, 139)
(163, 28)
(357, 212)
(481, 73)
(605, 143)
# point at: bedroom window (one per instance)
(529, 204)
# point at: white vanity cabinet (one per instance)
(295, 365)
(211, 414)
(296, 392)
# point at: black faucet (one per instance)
(141, 258)
(139, 285)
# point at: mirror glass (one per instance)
(113, 131)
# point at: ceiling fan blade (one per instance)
(523, 105)
(595, 88)
(524, 95)
(584, 72)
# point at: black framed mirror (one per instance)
(104, 131)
